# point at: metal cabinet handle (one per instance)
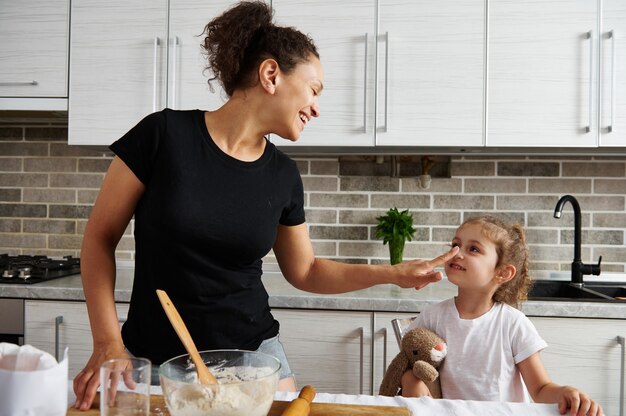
(620, 341)
(155, 50)
(57, 323)
(175, 42)
(365, 87)
(589, 35)
(17, 83)
(384, 350)
(361, 357)
(384, 127)
(611, 35)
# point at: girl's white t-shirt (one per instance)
(482, 352)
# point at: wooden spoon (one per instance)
(204, 375)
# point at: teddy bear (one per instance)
(422, 352)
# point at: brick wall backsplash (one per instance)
(47, 189)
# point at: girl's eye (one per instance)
(453, 244)
(474, 249)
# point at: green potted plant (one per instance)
(395, 228)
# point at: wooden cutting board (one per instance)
(158, 408)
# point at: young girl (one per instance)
(493, 348)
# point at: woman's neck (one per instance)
(235, 130)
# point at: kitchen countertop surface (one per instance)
(382, 298)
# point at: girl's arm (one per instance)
(543, 390)
(298, 264)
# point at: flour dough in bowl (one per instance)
(246, 386)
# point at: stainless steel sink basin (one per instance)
(565, 291)
(617, 292)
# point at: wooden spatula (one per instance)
(204, 375)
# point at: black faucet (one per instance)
(578, 268)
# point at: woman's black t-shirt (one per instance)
(201, 229)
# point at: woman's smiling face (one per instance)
(298, 95)
(475, 264)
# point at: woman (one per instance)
(211, 197)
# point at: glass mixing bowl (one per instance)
(247, 381)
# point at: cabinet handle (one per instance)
(155, 50)
(611, 35)
(17, 83)
(175, 42)
(384, 350)
(57, 323)
(620, 341)
(365, 88)
(361, 357)
(589, 35)
(384, 128)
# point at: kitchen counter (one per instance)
(382, 298)
(424, 406)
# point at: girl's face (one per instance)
(474, 267)
(297, 95)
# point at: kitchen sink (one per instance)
(617, 292)
(565, 291)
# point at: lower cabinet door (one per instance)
(330, 350)
(51, 326)
(584, 353)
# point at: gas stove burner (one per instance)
(24, 269)
(24, 273)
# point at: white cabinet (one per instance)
(337, 351)
(128, 60)
(117, 67)
(51, 326)
(613, 70)
(345, 36)
(187, 81)
(327, 349)
(34, 54)
(584, 353)
(431, 73)
(397, 73)
(543, 71)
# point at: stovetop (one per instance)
(25, 270)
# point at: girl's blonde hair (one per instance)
(510, 242)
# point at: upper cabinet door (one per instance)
(344, 33)
(431, 73)
(187, 79)
(34, 48)
(613, 70)
(117, 67)
(542, 74)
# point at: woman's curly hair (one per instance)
(237, 41)
(510, 242)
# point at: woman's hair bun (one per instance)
(238, 40)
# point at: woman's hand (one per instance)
(578, 403)
(87, 381)
(419, 273)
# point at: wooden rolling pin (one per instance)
(302, 405)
